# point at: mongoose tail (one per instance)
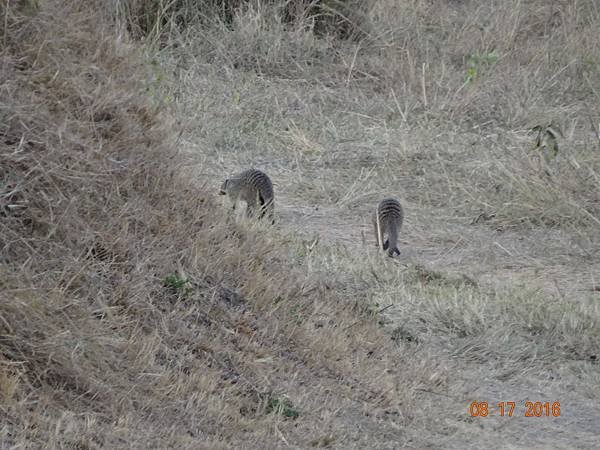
(391, 243)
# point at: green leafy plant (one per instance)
(477, 61)
(178, 284)
(283, 407)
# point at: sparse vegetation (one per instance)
(477, 62)
(178, 285)
(283, 407)
(135, 314)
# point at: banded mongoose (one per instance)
(255, 188)
(388, 218)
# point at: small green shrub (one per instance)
(178, 284)
(478, 62)
(283, 407)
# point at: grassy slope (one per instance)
(101, 344)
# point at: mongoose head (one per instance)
(231, 186)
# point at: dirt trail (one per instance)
(562, 264)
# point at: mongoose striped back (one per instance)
(255, 188)
(388, 218)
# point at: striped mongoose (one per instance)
(388, 218)
(255, 188)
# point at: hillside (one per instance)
(135, 313)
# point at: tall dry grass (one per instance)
(133, 314)
(467, 81)
(88, 179)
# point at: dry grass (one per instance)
(134, 314)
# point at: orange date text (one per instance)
(509, 409)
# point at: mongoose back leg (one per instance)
(387, 220)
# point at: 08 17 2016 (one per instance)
(509, 409)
